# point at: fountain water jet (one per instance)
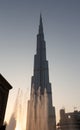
(18, 118)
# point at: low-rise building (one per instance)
(69, 121)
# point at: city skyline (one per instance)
(19, 26)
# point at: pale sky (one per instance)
(19, 20)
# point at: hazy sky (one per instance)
(19, 20)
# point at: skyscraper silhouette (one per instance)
(40, 113)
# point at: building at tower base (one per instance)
(40, 111)
(69, 121)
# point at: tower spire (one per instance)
(40, 25)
